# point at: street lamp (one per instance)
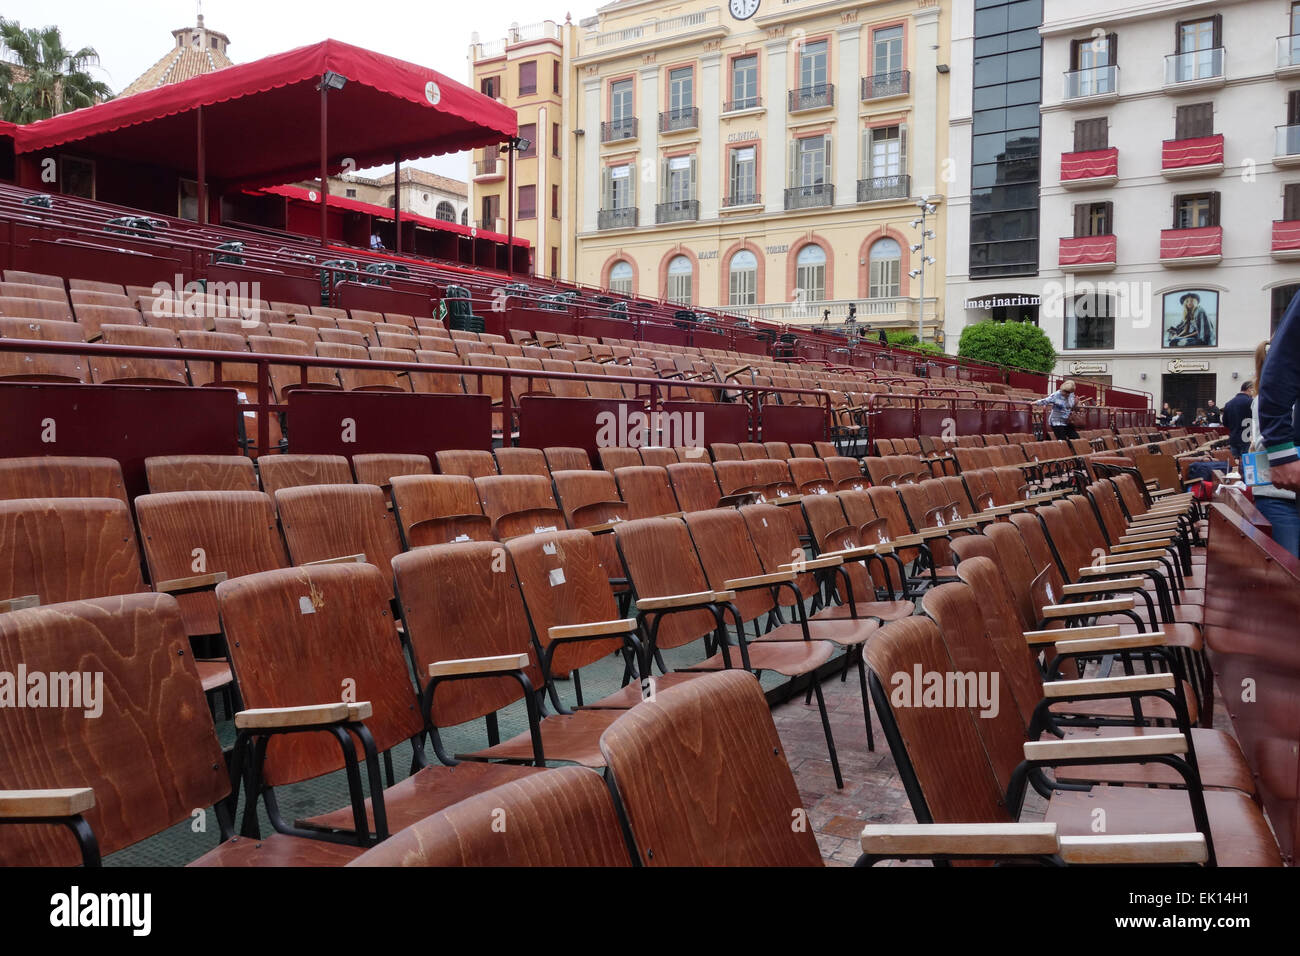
(329, 81)
(928, 209)
(516, 144)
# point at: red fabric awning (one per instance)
(261, 119)
(383, 212)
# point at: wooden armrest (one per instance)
(1088, 608)
(1135, 546)
(267, 718)
(501, 664)
(69, 802)
(1146, 745)
(1070, 633)
(20, 603)
(927, 534)
(1112, 686)
(344, 559)
(199, 582)
(781, 501)
(1111, 645)
(995, 839)
(605, 527)
(862, 551)
(759, 581)
(1134, 849)
(698, 599)
(907, 541)
(813, 564)
(1100, 587)
(1121, 568)
(560, 632)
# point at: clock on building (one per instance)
(743, 9)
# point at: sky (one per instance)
(131, 36)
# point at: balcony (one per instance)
(1288, 56)
(1090, 168)
(623, 218)
(1286, 239)
(741, 200)
(810, 197)
(702, 23)
(672, 121)
(1195, 70)
(488, 225)
(619, 130)
(679, 210)
(1187, 158)
(883, 85)
(1286, 151)
(883, 188)
(1191, 247)
(1087, 254)
(742, 105)
(487, 170)
(817, 97)
(1097, 84)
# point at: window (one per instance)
(620, 277)
(887, 51)
(744, 83)
(680, 273)
(555, 76)
(1094, 52)
(1197, 50)
(490, 86)
(1091, 134)
(813, 64)
(555, 139)
(528, 78)
(527, 202)
(742, 178)
(528, 131)
(445, 211)
(1196, 210)
(810, 274)
(1282, 296)
(1291, 202)
(1090, 322)
(1193, 36)
(679, 179)
(620, 101)
(620, 187)
(555, 262)
(350, 193)
(885, 269)
(811, 164)
(464, 216)
(742, 279)
(1193, 120)
(1094, 219)
(886, 152)
(681, 90)
(491, 209)
(555, 201)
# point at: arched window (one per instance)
(620, 277)
(743, 279)
(464, 216)
(680, 271)
(810, 273)
(886, 265)
(446, 211)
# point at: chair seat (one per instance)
(1176, 635)
(1241, 834)
(1218, 759)
(426, 791)
(630, 695)
(214, 674)
(573, 738)
(791, 658)
(846, 632)
(884, 610)
(279, 850)
(1152, 708)
(1184, 613)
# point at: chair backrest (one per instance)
(291, 471)
(646, 490)
(61, 477)
(726, 552)
(380, 468)
(588, 498)
(519, 504)
(482, 616)
(438, 509)
(200, 473)
(522, 461)
(695, 485)
(660, 456)
(704, 780)
(151, 754)
(35, 366)
(613, 458)
(567, 459)
(302, 636)
(737, 476)
(67, 549)
(722, 451)
(189, 533)
(473, 464)
(564, 817)
(661, 561)
(325, 522)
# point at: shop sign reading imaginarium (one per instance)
(999, 302)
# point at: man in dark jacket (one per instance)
(1212, 415)
(1279, 388)
(1235, 414)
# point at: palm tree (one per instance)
(40, 77)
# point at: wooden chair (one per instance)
(612, 459)
(200, 473)
(522, 461)
(92, 318)
(329, 524)
(37, 366)
(646, 490)
(472, 464)
(380, 468)
(660, 457)
(519, 504)
(291, 471)
(567, 459)
(695, 485)
(704, 780)
(438, 509)
(563, 817)
(138, 371)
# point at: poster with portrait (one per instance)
(1191, 319)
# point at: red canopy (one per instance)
(261, 119)
(383, 212)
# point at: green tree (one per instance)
(40, 77)
(908, 340)
(1020, 344)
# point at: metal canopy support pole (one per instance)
(397, 202)
(324, 162)
(202, 165)
(510, 212)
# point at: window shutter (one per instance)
(1112, 49)
(664, 187)
(902, 149)
(1177, 202)
(1291, 202)
(691, 191)
(1293, 108)
(1074, 54)
(865, 159)
(631, 188)
(1218, 30)
(1214, 209)
(1080, 221)
(1110, 218)
(793, 169)
(826, 147)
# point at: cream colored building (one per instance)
(421, 192)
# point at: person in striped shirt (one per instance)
(1062, 402)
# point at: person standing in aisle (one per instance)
(1062, 402)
